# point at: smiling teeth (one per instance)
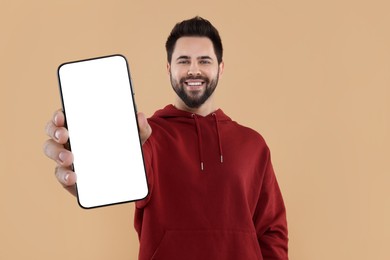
(194, 83)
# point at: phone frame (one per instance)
(68, 145)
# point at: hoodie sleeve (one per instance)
(141, 204)
(270, 217)
(148, 158)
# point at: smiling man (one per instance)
(213, 191)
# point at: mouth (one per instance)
(193, 85)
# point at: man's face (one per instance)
(194, 70)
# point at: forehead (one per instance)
(193, 46)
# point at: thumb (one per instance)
(144, 128)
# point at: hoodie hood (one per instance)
(171, 111)
(218, 116)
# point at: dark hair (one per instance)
(196, 26)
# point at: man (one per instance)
(213, 192)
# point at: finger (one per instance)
(67, 178)
(59, 118)
(55, 128)
(144, 128)
(58, 153)
(59, 134)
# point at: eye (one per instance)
(183, 62)
(205, 62)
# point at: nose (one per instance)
(193, 70)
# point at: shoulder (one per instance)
(236, 128)
(246, 132)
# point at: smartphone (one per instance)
(100, 115)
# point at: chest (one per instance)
(180, 153)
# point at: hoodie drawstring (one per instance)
(219, 137)
(199, 140)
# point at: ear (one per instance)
(168, 68)
(221, 68)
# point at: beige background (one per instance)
(311, 76)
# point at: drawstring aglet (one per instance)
(201, 166)
(221, 158)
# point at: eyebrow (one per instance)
(199, 58)
(205, 58)
(183, 57)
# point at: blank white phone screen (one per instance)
(100, 114)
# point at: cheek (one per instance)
(178, 74)
(214, 75)
(174, 77)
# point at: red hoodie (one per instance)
(212, 192)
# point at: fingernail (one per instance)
(66, 177)
(56, 119)
(61, 156)
(57, 135)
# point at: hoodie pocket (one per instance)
(207, 245)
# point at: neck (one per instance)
(205, 109)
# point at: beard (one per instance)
(194, 99)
